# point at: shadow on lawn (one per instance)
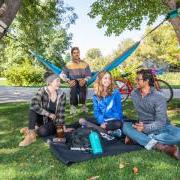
(41, 164)
(37, 162)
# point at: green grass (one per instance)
(172, 78)
(3, 82)
(38, 162)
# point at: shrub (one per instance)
(25, 75)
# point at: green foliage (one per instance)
(42, 27)
(93, 53)
(172, 78)
(127, 66)
(67, 57)
(117, 16)
(161, 46)
(24, 75)
(98, 64)
(130, 65)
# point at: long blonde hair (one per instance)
(98, 86)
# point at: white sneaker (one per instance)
(84, 108)
(73, 109)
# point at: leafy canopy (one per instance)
(119, 15)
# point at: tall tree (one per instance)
(93, 53)
(41, 26)
(129, 14)
(161, 46)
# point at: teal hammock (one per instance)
(116, 62)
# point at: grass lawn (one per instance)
(172, 78)
(3, 82)
(37, 161)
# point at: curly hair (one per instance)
(147, 76)
(98, 86)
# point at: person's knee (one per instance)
(127, 127)
(42, 132)
(178, 136)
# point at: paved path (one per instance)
(22, 94)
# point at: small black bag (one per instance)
(80, 139)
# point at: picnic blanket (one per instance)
(68, 157)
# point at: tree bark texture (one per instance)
(172, 4)
(8, 11)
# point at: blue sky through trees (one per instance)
(87, 35)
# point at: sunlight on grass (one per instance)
(38, 162)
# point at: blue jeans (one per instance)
(167, 135)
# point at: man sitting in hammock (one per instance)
(76, 73)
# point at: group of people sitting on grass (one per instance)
(152, 130)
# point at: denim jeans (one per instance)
(167, 135)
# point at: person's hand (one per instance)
(104, 125)
(72, 83)
(82, 82)
(139, 126)
(52, 116)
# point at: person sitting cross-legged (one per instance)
(47, 110)
(153, 131)
(107, 106)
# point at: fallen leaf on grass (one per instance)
(121, 165)
(135, 170)
(93, 178)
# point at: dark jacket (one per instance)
(40, 104)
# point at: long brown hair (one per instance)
(98, 86)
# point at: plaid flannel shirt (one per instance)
(40, 104)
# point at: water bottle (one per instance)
(95, 143)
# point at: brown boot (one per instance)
(128, 141)
(24, 130)
(168, 149)
(29, 138)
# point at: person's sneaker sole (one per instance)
(24, 145)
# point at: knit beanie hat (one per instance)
(50, 77)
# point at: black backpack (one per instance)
(80, 139)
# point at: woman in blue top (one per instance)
(107, 103)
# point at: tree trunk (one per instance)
(176, 25)
(172, 4)
(8, 11)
